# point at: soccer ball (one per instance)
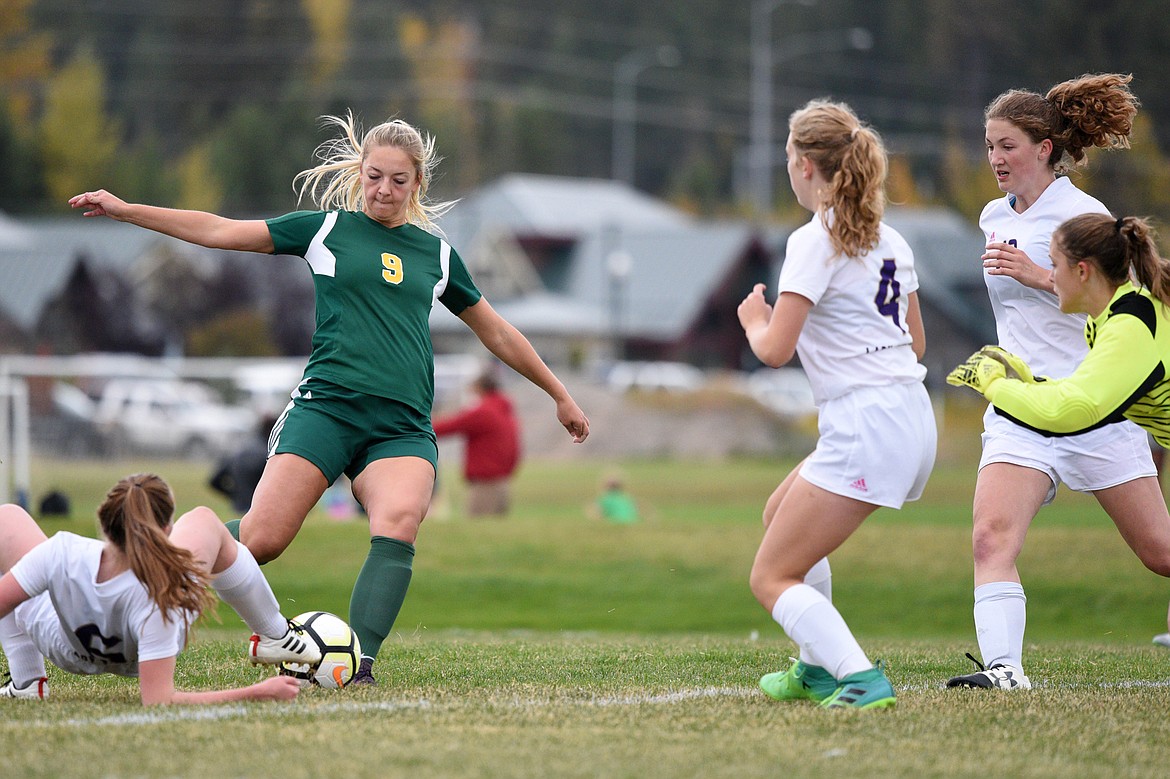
(340, 651)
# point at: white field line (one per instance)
(234, 711)
(239, 711)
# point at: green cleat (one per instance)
(864, 690)
(800, 682)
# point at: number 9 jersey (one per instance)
(375, 287)
(856, 333)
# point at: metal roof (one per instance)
(39, 254)
(674, 261)
(669, 273)
(556, 206)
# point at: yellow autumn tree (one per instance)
(200, 188)
(900, 186)
(329, 21)
(442, 60)
(78, 140)
(1133, 181)
(24, 57)
(967, 183)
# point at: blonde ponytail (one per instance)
(852, 158)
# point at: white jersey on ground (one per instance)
(104, 627)
(1029, 321)
(856, 333)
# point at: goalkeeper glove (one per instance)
(979, 373)
(1015, 366)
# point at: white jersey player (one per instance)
(847, 303)
(123, 604)
(1031, 140)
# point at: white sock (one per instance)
(1000, 615)
(820, 578)
(816, 626)
(25, 661)
(243, 587)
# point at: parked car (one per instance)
(165, 416)
(654, 377)
(68, 428)
(785, 391)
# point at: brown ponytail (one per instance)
(134, 517)
(852, 159)
(1119, 248)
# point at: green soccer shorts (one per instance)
(342, 431)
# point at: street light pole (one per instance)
(760, 150)
(625, 74)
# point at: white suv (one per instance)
(165, 416)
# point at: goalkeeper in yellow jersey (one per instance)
(1096, 261)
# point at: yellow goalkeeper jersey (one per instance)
(1124, 376)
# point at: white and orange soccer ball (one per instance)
(340, 651)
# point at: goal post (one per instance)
(262, 383)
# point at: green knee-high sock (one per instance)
(379, 591)
(233, 526)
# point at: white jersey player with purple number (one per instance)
(847, 304)
(123, 604)
(1032, 140)
(84, 624)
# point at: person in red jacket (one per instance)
(492, 447)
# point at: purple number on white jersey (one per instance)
(889, 290)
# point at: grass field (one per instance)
(550, 644)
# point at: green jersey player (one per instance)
(364, 405)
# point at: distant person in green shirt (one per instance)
(616, 505)
(380, 265)
(1096, 261)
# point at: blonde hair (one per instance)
(335, 183)
(134, 517)
(1091, 110)
(852, 158)
(1119, 248)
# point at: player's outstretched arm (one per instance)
(197, 227)
(514, 350)
(156, 682)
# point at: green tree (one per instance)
(20, 159)
(201, 188)
(258, 174)
(24, 63)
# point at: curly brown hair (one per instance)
(1091, 110)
